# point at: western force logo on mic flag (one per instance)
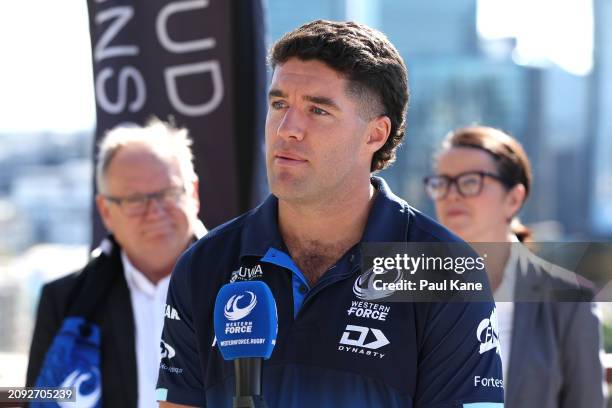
(246, 323)
(233, 312)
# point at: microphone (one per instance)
(246, 325)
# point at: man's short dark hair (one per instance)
(375, 71)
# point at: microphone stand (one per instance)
(248, 383)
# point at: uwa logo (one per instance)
(246, 274)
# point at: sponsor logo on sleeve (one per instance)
(487, 334)
(171, 313)
(489, 382)
(167, 351)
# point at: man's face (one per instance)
(316, 141)
(154, 239)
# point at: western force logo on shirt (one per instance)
(364, 288)
(487, 333)
(246, 274)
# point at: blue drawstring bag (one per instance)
(73, 360)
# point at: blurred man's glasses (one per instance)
(469, 184)
(138, 204)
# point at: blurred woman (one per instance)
(550, 350)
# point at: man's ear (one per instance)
(195, 194)
(378, 133)
(104, 210)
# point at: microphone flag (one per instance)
(245, 320)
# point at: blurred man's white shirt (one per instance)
(148, 304)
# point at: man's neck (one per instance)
(317, 235)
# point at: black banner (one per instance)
(201, 62)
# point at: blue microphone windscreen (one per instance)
(246, 322)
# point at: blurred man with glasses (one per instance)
(148, 201)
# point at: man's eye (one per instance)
(277, 104)
(136, 200)
(319, 111)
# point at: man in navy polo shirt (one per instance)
(336, 114)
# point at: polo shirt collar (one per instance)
(388, 221)
(261, 230)
(389, 217)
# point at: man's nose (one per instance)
(292, 125)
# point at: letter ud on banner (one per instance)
(201, 62)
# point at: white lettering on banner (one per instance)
(186, 46)
(125, 74)
(125, 78)
(121, 16)
(172, 73)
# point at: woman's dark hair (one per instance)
(508, 155)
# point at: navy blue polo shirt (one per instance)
(327, 355)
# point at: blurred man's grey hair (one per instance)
(162, 138)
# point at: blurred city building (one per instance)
(458, 77)
(600, 148)
(45, 189)
(45, 195)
